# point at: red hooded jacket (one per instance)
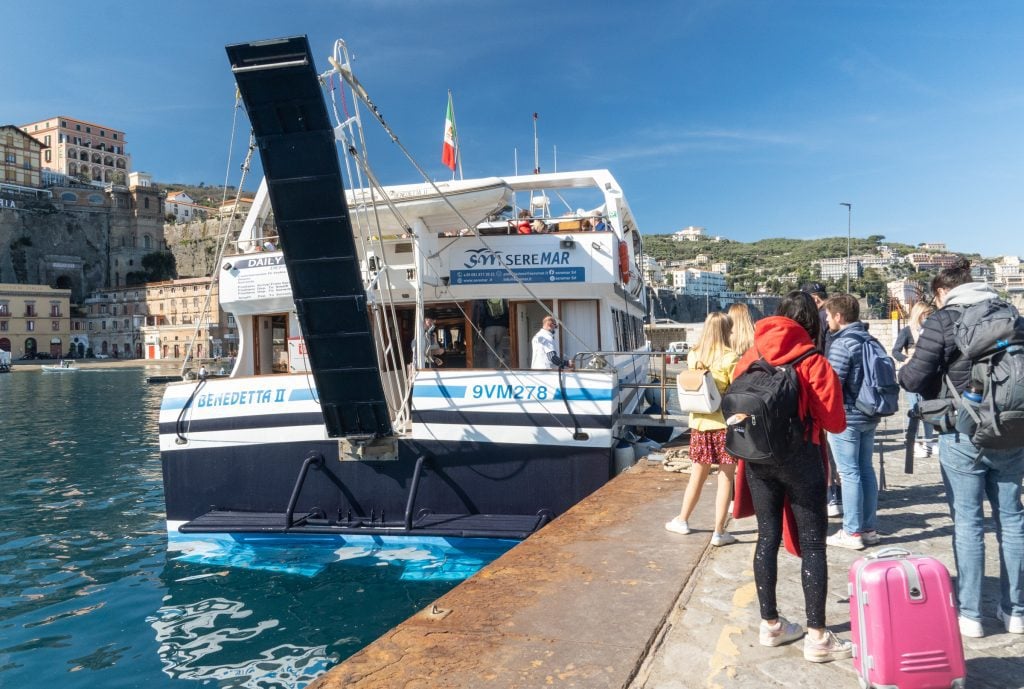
(779, 339)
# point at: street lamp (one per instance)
(849, 213)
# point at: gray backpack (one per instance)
(991, 334)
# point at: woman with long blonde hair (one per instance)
(902, 351)
(742, 337)
(707, 431)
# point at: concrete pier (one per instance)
(604, 597)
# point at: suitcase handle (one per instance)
(890, 552)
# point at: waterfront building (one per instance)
(182, 311)
(933, 246)
(84, 150)
(19, 157)
(114, 320)
(35, 319)
(838, 268)
(720, 267)
(183, 207)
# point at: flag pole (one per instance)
(458, 149)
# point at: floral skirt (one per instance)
(708, 447)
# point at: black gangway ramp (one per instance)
(281, 92)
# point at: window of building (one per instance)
(55, 310)
(46, 139)
(30, 309)
(10, 158)
(126, 324)
(114, 135)
(5, 310)
(88, 130)
(69, 196)
(55, 325)
(102, 133)
(47, 156)
(103, 325)
(3, 325)
(147, 202)
(30, 325)
(78, 127)
(91, 325)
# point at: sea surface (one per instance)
(91, 597)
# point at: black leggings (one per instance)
(801, 479)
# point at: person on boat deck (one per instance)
(545, 347)
(599, 224)
(523, 227)
(493, 322)
(433, 350)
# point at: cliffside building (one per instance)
(82, 149)
(19, 157)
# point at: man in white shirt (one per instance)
(545, 347)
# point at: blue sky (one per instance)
(751, 118)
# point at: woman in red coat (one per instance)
(797, 486)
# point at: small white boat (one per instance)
(64, 366)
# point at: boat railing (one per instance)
(660, 379)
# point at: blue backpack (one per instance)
(879, 393)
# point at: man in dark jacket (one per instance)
(853, 449)
(970, 473)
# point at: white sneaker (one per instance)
(841, 539)
(782, 632)
(724, 538)
(678, 525)
(971, 628)
(829, 647)
(835, 509)
(922, 451)
(1014, 623)
(870, 538)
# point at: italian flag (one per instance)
(448, 150)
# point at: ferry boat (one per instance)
(345, 412)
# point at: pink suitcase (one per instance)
(903, 623)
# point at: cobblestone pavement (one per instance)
(710, 639)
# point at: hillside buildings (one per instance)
(84, 150)
(19, 157)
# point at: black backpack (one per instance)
(762, 413)
(991, 334)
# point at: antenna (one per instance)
(536, 147)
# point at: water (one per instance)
(91, 597)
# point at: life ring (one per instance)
(624, 263)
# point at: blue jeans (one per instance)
(913, 399)
(971, 474)
(852, 450)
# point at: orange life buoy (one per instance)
(624, 262)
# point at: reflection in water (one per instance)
(193, 638)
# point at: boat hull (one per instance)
(457, 478)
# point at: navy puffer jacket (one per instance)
(936, 352)
(847, 358)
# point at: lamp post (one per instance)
(849, 213)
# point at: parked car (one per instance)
(680, 348)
